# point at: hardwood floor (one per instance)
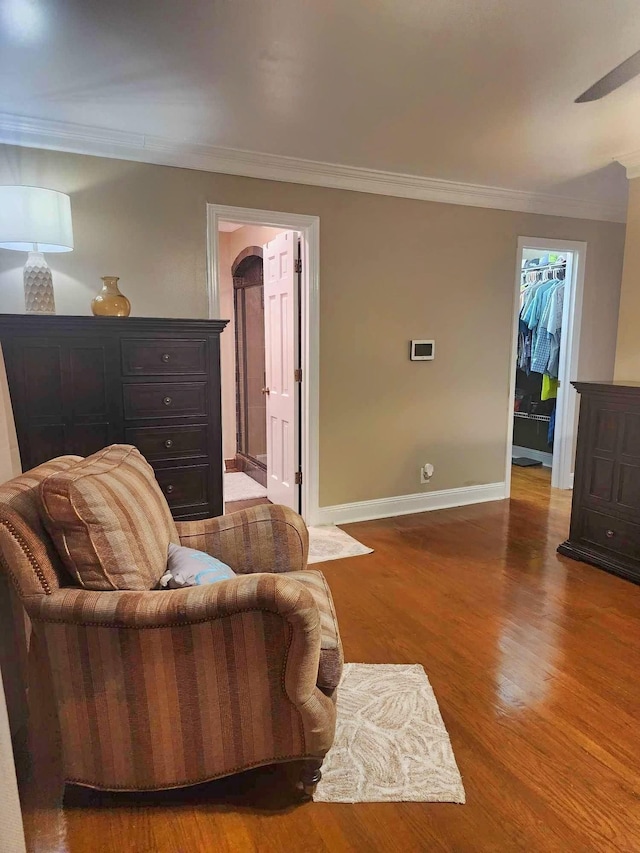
(534, 659)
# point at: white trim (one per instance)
(631, 162)
(84, 139)
(538, 455)
(568, 401)
(309, 228)
(407, 504)
(567, 404)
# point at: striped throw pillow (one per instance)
(109, 520)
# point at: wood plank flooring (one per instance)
(534, 659)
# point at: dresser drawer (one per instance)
(142, 357)
(613, 534)
(169, 442)
(165, 400)
(184, 486)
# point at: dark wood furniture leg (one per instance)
(310, 775)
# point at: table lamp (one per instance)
(36, 220)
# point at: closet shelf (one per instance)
(532, 417)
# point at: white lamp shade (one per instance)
(35, 219)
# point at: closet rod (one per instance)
(545, 267)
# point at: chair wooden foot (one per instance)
(310, 775)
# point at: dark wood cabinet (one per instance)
(78, 384)
(605, 513)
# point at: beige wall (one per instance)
(231, 243)
(628, 349)
(391, 270)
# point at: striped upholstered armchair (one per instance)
(163, 688)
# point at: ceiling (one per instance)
(229, 226)
(460, 90)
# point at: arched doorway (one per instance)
(251, 414)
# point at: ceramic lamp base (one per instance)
(38, 285)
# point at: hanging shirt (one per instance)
(554, 328)
(540, 349)
(544, 341)
(524, 347)
(525, 334)
(529, 296)
(533, 309)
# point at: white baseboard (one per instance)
(406, 504)
(538, 455)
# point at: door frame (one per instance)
(309, 230)
(567, 403)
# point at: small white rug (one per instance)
(391, 744)
(240, 487)
(331, 543)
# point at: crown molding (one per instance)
(102, 142)
(631, 162)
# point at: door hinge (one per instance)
(297, 374)
(298, 265)
(298, 478)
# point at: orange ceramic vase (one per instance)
(110, 302)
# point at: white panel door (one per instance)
(281, 347)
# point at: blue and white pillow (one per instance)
(189, 567)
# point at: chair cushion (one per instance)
(109, 520)
(331, 657)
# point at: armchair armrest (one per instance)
(265, 538)
(165, 688)
(177, 607)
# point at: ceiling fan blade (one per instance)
(613, 80)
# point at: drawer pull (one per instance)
(166, 357)
(168, 443)
(610, 534)
(167, 401)
(168, 489)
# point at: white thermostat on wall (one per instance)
(422, 350)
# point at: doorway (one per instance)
(543, 405)
(265, 372)
(274, 400)
(250, 430)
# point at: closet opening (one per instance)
(543, 404)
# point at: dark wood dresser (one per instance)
(605, 514)
(78, 384)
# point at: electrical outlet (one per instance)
(426, 473)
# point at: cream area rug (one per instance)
(240, 487)
(331, 543)
(391, 744)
